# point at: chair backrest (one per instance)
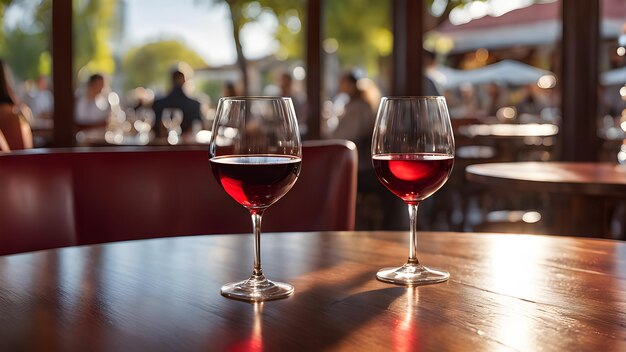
(36, 203)
(66, 197)
(14, 128)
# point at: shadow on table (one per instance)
(318, 318)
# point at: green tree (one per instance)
(362, 31)
(24, 46)
(361, 28)
(23, 52)
(243, 12)
(150, 64)
(291, 31)
(27, 47)
(94, 21)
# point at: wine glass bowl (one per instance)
(412, 155)
(255, 155)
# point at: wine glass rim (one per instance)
(255, 97)
(414, 97)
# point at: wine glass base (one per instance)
(257, 289)
(412, 275)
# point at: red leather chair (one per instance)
(55, 198)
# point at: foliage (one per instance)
(291, 17)
(344, 21)
(151, 63)
(362, 30)
(22, 53)
(27, 47)
(213, 89)
(93, 21)
(24, 47)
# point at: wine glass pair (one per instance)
(256, 155)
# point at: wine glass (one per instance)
(412, 155)
(143, 124)
(255, 155)
(172, 119)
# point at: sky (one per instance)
(201, 24)
(205, 26)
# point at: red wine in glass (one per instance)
(255, 154)
(413, 176)
(412, 155)
(256, 181)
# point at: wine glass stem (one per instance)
(256, 228)
(413, 234)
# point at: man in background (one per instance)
(177, 99)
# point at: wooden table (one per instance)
(100, 137)
(512, 141)
(587, 188)
(503, 130)
(506, 292)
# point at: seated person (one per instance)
(92, 108)
(14, 128)
(356, 122)
(177, 99)
(40, 99)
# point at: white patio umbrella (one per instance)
(534, 25)
(504, 72)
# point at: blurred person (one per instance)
(611, 101)
(371, 92)
(178, 99)
(16, 133)
(468, 105)
(356, 121)
(495, 98)
(533, 100)
(285, 83)
(40, 99)
(429, 88)
(92, 107)
(229, 89)
(142, 97)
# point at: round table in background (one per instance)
(512, 141)
(503, 130)
(585, 189)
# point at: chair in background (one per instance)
(56, 198)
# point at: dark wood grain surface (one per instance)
(506, 292)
